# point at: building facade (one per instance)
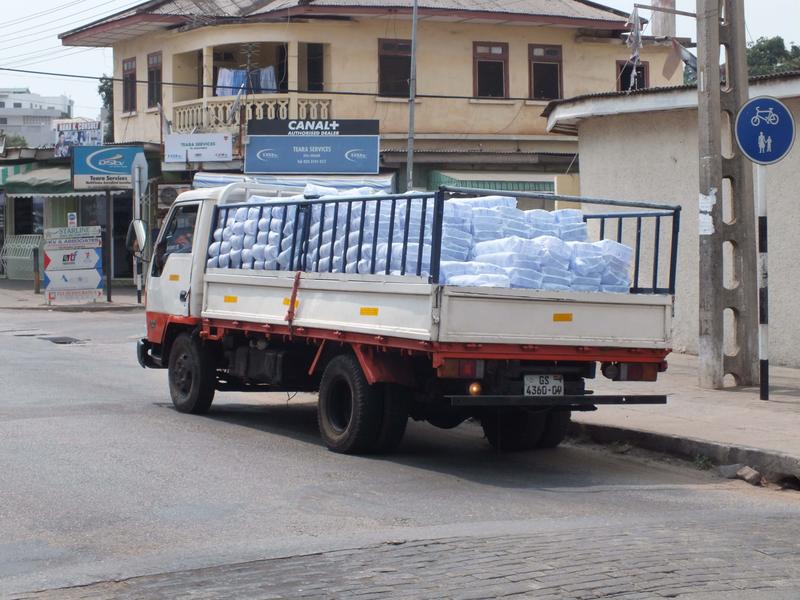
(485, 72)
(644, 146)
(31, 115)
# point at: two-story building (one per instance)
(485, 71)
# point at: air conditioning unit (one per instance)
(167, 192)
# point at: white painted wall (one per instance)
(653, 156)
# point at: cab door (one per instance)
(171, 269)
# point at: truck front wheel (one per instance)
(350, 410)
(192, 375)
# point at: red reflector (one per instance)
(467, 369)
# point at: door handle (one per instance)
(183, 295)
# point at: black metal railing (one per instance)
(360, 248)
(370, 241)
(640, 215)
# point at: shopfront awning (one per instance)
(51, 182)
(507, 181)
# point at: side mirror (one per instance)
(136, 240)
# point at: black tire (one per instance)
(514, 430)
(192, 375)
(555, 429)
(350, 410)
(395, 418)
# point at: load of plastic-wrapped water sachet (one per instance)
(486, 242)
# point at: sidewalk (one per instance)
(18, 295)
(726, 426)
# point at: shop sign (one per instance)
(198, 147)
(106, 167)
(75, 132)
(300, 147)
(73, 264)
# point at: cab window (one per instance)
(178, 236)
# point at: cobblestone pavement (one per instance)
(686, 560)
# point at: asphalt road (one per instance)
(100, 480)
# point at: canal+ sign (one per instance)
(301, 146)
(107, 167)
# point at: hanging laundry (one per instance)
(268, 81)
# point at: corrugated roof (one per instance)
(793, 74)
(568, 9)
(582, 12)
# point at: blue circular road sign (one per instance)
(765, 130)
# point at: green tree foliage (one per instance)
(15, 140)
(770, 55)
(106, 91)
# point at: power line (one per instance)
(16, 34)
(288, 91)
(45, 12)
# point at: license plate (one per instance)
(544, 385)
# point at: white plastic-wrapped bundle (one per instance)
(509, 244)
(483, 280)
(573, 232)
(218, 234)
(224, 247)
(224, 260)
(251, 226)
(554, 252)
(213, 249)
(247, 256)
(585, 284)
(486, 224)
(396, 262)
(456, 245)
(587, 259)
(517, 260)
(236, 259)
(524, 278)
(617, 258)
(213, 262)
(487, 201)
(236, 242)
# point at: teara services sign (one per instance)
(198, 147)
(319, 147)
(106, 167)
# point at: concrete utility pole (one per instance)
(722, 22)
(412, 97)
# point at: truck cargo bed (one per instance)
(412, 308)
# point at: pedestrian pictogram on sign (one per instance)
(765, 130)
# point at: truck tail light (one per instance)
(453, 368)
(633, 371)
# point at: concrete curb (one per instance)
(80, 307)
(774, 465)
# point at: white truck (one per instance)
(380, 348)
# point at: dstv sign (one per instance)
(106, 167)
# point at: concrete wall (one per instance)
(445, 67)
(653, 156)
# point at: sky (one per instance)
(30, 41)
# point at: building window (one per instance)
(17, 104)
(490, 69)
(314, 72)
(545, 72)
(625, 72)
(153, 80)
(129, 85)
(394, 67)
(2, 104)
(3, 121)
(28, 215)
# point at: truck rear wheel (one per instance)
(514, 430)
(350, 410)
(555, 429)
(192, 376)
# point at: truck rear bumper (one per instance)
(565, 402)
(146, 360)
